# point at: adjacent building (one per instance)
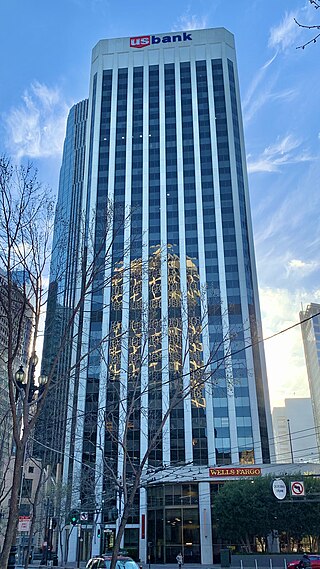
(20, 319)
(168, 340)
(294, 432)
(61, 331)
(310, 328)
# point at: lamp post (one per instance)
(20, 377)
(24, 386)
(32, 369)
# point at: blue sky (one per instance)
(46, 52)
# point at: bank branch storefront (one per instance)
(179, 516)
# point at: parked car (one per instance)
(315, 562)
(103, 562)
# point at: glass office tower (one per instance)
(171, 326)
(60, 331)
(310, 328)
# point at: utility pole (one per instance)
(290, 441)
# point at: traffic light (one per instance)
(99, 532)
(74, 517)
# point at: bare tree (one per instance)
(124, 468)
(315, 35)
(26, 227)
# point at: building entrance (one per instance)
(173, 523)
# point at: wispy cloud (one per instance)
(256, 81)
(286, 150)
(36, 127)
(262, 90)
(285, 34)
(189, 21)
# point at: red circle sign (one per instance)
(297, 488)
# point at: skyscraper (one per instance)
(171, 327)
(311, 341)
(60, 330)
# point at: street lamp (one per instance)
(42, 379)
(20, 378)
(21, 383)
(21, 386)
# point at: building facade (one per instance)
(172, 372)
(310, 328)
(20, 319)
(294, 431)
(60, 328)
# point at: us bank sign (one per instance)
(144, 41)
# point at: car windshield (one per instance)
(121, 564)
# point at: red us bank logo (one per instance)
(141, 41)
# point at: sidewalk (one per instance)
(238, 562)
(144, 566)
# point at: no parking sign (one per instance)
(297, 488)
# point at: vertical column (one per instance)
(100, 442)
(96, 541)
(238, 221)
(183, 271)
(143, 526)
(73, 543)
(202, 273)
(222, 273)
(145, 310)
(205, 523)
(126, 287)
(164, 268)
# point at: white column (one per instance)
(96, 541)
(143, 536)
(145, 307)
(183, 272)
(205, 523)
(73, 541)
(122, 457)
(164, 269)
(207, 356)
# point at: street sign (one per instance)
(24, 523)
(297, 488)
(84, 517)
(279, 488)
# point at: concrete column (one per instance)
(143, 526)
(73, 541)
(205, 523)
(96, 541)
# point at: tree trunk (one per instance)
(33, 521)
(248, 544)
(11, 530)
(116, 547)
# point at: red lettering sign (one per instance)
(254, 471)
(141, 41)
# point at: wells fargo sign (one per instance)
(234, 472)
